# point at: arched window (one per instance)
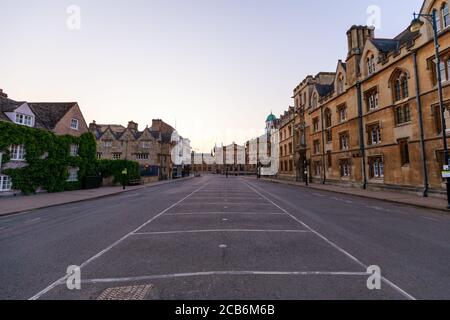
(340, 84)
(445, 15)
(400, 85)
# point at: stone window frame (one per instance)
(402, 114)
(403, 145)
(370, 136)
(316, 144)
(346, 145)
(345, 167)
(376, 166)
(342, 112)
(372, 100)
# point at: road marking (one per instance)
(431, 219)
(334, 245)
(222, 203)
(217, 230)
(226, 213)
(32, 221)
(226, 273)
(64, 278)
(223, 246)
(375, 208)
(318, 194)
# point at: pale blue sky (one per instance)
(215, 67)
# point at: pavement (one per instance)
(233, 239)
(19, 204)
(435, 203)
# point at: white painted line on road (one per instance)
(318, 194)
(32, 221)
(222, 203)
(431, 219)
(98, 255)
(226, 213)
(217, 230)
(334, 245)
(375, 208)
(225, 273)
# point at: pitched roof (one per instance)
(50, 113)
(390, 45)
(8, 105)
(324, 89)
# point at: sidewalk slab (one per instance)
(389, 196)
(18, 204)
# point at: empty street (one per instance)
(217, 238)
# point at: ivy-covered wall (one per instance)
(48, 159)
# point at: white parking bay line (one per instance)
(334, 245)
(225, 273)
(218, 230)
(98, 255)
(224, 213)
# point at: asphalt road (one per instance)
(235, 238)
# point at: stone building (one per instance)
(287, 167)
(61, 118)
(151, 147)
(375, 121)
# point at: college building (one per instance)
(375, 121)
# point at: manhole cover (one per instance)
(126, 293)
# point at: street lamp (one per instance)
(416, 25)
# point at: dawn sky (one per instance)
(214, 68)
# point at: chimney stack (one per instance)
(133, 126)
(2, 94)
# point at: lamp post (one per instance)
(416, 24)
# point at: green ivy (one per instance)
(51, 172)
(114, 168)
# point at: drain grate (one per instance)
(126, 293)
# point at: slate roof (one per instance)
(391, 45)
(50, 113)
(324, 89)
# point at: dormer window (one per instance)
(371, 65)
(24, 119)
(74, 124)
